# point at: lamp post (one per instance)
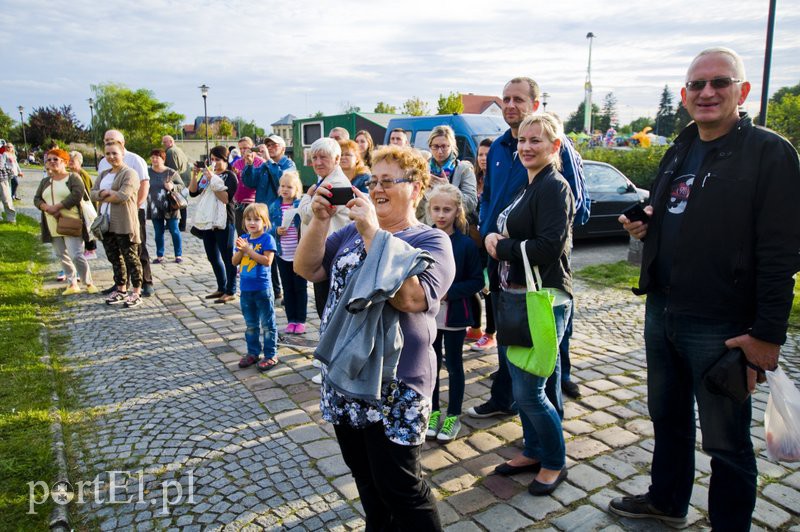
(762, 116)
(545, 96)
(587, 109)
(22, 123)
(204, 92)
(94, 137)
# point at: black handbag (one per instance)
(511, 319)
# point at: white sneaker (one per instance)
(317, 379)
(450, 429)
(316, 363)
(434, 423)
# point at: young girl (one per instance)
(446, 209)
(254, 252)
(295, 295)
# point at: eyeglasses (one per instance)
(716, 83)
(53, 160)
(386, 184)
(440, 147)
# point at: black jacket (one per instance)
(467, 282)
(739, 242)
(543, 216)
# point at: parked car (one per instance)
(611, 193)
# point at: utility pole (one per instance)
(587, 103)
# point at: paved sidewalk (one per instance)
(169, 399)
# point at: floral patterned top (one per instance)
(403, 410)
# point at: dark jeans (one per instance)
(14, 185)
(295, 294)
(490, 328)
(171, 224)
(563, 349)
(389, 481)
(144, 256)
(124, 258)
(277, 285)
(321, 290)
(218, 244)
(453, 356)
(680, 349)
(258, 309)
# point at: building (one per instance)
(283, 128)
(190, 130)
(479, 104)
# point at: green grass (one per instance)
(614, 275)
(27, 383)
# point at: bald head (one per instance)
(112, 135)
(167, 141)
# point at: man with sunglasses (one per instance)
(720, 249)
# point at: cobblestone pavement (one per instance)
(168, 399)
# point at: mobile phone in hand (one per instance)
(341, 195)
(635, 213)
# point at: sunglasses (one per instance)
(716, 83)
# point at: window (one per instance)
(311, 131)
(602, 179)
(421, 139)
(464, 149)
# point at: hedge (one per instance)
(639, 164)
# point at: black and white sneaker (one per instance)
(116, 298)
(640, 507)
(133, 300)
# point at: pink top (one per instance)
(244, 194)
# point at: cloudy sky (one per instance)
(265, 59)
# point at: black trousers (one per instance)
(321, 290)
(389, 481)
(144, 257)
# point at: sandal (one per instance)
(266, 364)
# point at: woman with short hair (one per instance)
(352, 165)
(163, 181)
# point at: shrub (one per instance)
(639, 164)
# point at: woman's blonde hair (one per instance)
(257, 210)
(551, 129)
(446, 132)
(452, 192)
(351, 145)
(413, 165)
(294, 179)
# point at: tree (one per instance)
(6, 123)
(784, 117)
(138, 114)
(682, 118)
(415, 107)
(383, 107)
(450, 104)
(608, 117)
(665, 117)
(53, 122)
(224, 128)
(348, 108)
(318, 114)
(575, 120)
(247, 129)
(640, 123)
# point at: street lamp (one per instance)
(545, 96)
(22, 123)
(204, 92)
(587, 104)
(94, 137)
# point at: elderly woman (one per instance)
(380, 436)
(325, 157)
(352, 165)
(59, 195)
(218, 243)
(164, 180)
(365, 146)
(446, 168)
(541, 217)
(75, 166)
(116, 189)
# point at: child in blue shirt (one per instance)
(254, 253)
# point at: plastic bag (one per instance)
(782, 418)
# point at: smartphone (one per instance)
(341, 195)
(635, 213)
(200, 164)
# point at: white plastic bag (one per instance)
(782, 418)
(210, 212)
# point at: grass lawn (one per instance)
(27, 383)
(623, 275)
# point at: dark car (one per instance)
(611, 193)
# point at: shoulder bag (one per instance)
(66, 225)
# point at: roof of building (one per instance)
(478, 103)
(285, 121)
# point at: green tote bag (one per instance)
(541, 358)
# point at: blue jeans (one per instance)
(172, 226)
(295, 292)
(541, 422)
(680, 349)
(258, 309)
(563, 349)
(453, 359)
(218, 244)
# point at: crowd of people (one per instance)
(408, 250)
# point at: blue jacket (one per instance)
(276, 220)
(266, 177)
(467, 282)
(505, 176)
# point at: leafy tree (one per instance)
(224, 128)
(415, 107)
(318, 114)
(53, 122)
(383, 107)
(784, 117)
(783, 92)
(200, 132)
(138, 114)
(447, 105)
(665, 117)
(248, 129)
(608, 116)
(6, 123)
(640, 123)
(575, 120)
(682, 118)
(348, 108)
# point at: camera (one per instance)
(202, 163)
